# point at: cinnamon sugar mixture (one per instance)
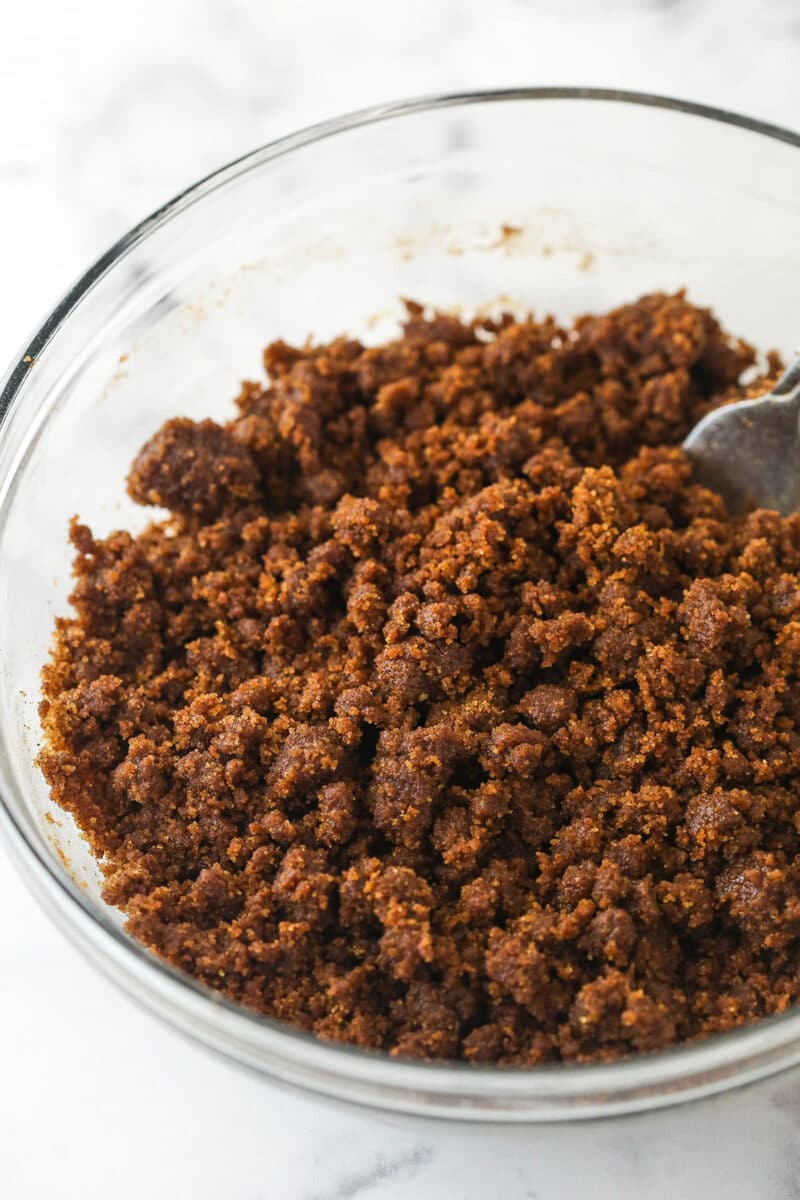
(444, 714)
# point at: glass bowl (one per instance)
(553, 199)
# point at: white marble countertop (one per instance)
(104, 113)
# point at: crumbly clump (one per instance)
(445, 715)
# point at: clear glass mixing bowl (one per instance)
(551, 199)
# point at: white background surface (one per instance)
(105, 111)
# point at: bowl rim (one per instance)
(374, 1078)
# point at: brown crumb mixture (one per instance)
(444, 715)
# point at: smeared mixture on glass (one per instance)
(444, 714)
